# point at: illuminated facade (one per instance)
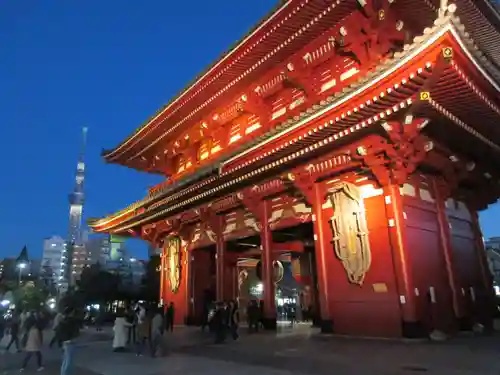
(53, 256)
(73, 264)
(357, 138)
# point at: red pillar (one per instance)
(219, 258)
(323, 250)
(445, 239)
(411, 327)
(269, 318)
(162, 276)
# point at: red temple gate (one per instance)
(360, 139)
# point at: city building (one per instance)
(71, 266)
(8, 269)
(98, 248)
(53, 257)
(493, 253)
(360, 137)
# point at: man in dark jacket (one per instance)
(67, 332)
(169, 316)
(219, 323)
(14, 327)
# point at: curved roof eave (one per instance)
(108, 153)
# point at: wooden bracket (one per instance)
(300, 77)
(256, 105)
(254, 203)
(393, 161)
(380, 33)
(214, 221)
(303, 183)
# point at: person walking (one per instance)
(120, 332)
(3, 325)
(34, 341)
(14, 328)
(253, 317)
(131, 318)
(67, 332)
(234, 319)
(143, 331)
(157, 330)
(219, 322)
(57, 320)
(170, 317)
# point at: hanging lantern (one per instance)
(278, 271)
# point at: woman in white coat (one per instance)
(120, 330)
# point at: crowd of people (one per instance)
(222, 320)
(25, 329)
(142, 328)
(139, 328)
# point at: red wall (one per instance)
(360, 310)
(203, 269)
(426, 255)
(466, 257)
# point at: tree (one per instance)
(73, 299)
(97, 285)
(150, 286)
(29, 296)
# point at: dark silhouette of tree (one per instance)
(29, 296)
(150, 286)
(97, 285)
(73, 299)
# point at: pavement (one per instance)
(298, 351)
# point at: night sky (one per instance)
(107, 65)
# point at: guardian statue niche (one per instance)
(350, 232)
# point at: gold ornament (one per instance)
(173, 265)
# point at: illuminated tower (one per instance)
(76, 201)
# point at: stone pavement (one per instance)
(317, 354)
(290, 352)
(11, 362)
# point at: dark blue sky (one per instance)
(107, 65)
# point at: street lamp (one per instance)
(21, 267)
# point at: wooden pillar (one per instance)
(314, 193)
(261, 210)
(269, 319)
(219, 257)
(162, 276)
(216, 223)
(323, 250)
(411, 326)
(230, 277)
(445, 239)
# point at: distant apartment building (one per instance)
(94, 250)
(4, 268)
(493, 253)
(53, 258)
